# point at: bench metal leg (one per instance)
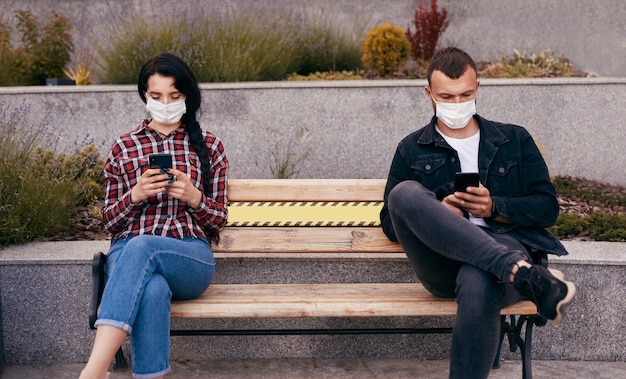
(526, 350)
(513, 331)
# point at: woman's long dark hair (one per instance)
(170, 65)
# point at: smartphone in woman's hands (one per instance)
(160, 161)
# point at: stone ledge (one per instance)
(584, 252)
(80, 252)
(71, 252)
(45, 292)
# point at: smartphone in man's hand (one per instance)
(462, 180)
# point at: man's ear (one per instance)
(427, 90)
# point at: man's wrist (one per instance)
(494, 211)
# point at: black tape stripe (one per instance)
(305, 203)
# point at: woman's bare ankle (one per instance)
(87, 374)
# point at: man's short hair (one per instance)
(452, 61)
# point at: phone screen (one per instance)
(462, 180)
(160, 161)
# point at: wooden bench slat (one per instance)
(305, 239)
(323, 300)
(306, 189)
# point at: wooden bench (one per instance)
(273, 216)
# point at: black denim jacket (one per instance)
(510, 166)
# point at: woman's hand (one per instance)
(150, 183)
(153, 181)
(181, 188)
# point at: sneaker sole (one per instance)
(562, 307)
(557, 274)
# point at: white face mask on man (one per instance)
(166, 114)
(456, 115)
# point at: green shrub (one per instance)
(385, 48)
(119, 55)
(245, 47)
(607, 227)
(603, 218)
(40, 190)
(8, 64)
(232, 45)
(598, 226)
(83, 170)
(324, 45)
(568, 226)
(41, 52)
(545, 64)
(219, 47)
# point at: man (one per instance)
(474, 244)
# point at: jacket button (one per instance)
(453, 159)
(428, 167)
(501, 170)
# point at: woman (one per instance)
(162, 220)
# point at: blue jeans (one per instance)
(143, 274)
(452, 257)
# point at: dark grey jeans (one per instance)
(452, 257)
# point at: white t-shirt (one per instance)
(467, 149)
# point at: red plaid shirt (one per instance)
(160, 214)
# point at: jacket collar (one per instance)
(491, 138)
(490, 134)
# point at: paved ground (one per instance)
(337, 369)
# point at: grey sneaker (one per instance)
(548, 289)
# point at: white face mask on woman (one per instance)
(166, 114)
(456, 115)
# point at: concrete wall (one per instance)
(45, 291)
(590, 33)
(348, 129)
(2, 360)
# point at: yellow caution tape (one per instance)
(361, 213)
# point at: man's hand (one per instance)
(452, 203)
(477, 201)
(151, 182)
